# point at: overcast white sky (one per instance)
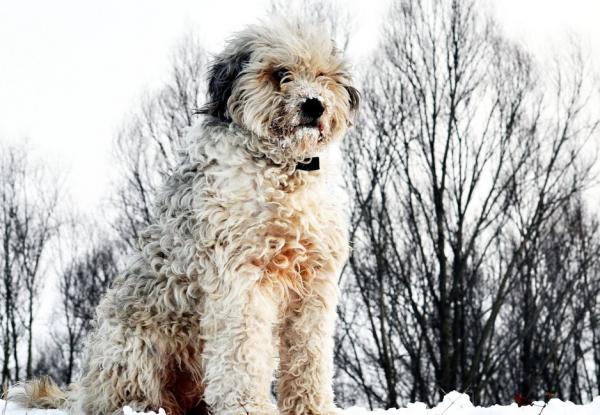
(70, 70)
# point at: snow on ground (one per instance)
(453, 404)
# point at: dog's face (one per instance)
(288, 85)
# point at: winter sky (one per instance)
(71, 70)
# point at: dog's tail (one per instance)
(41, 393)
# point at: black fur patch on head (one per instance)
(354, 97)
(221, 76)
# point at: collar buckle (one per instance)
(309, 164)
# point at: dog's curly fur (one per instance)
(240, 269)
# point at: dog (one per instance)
(236, 281)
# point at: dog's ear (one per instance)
(221, 77)
(354, 97)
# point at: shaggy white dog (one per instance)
(240, 270)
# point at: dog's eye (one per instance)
(281, 75)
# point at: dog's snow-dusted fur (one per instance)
(240, 270)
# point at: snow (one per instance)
(454, 403)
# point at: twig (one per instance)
(543, 407)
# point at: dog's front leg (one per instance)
(238, 351)
(306, 352)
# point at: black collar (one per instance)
(309, 164)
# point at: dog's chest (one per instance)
(292, 228)
(300, 235)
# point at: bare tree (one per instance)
(548, 311)
(83, 283)
(29, 196)
(462, 162)
(87, 261)
(11, 285)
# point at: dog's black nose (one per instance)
(312, 108)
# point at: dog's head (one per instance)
(287, 84)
